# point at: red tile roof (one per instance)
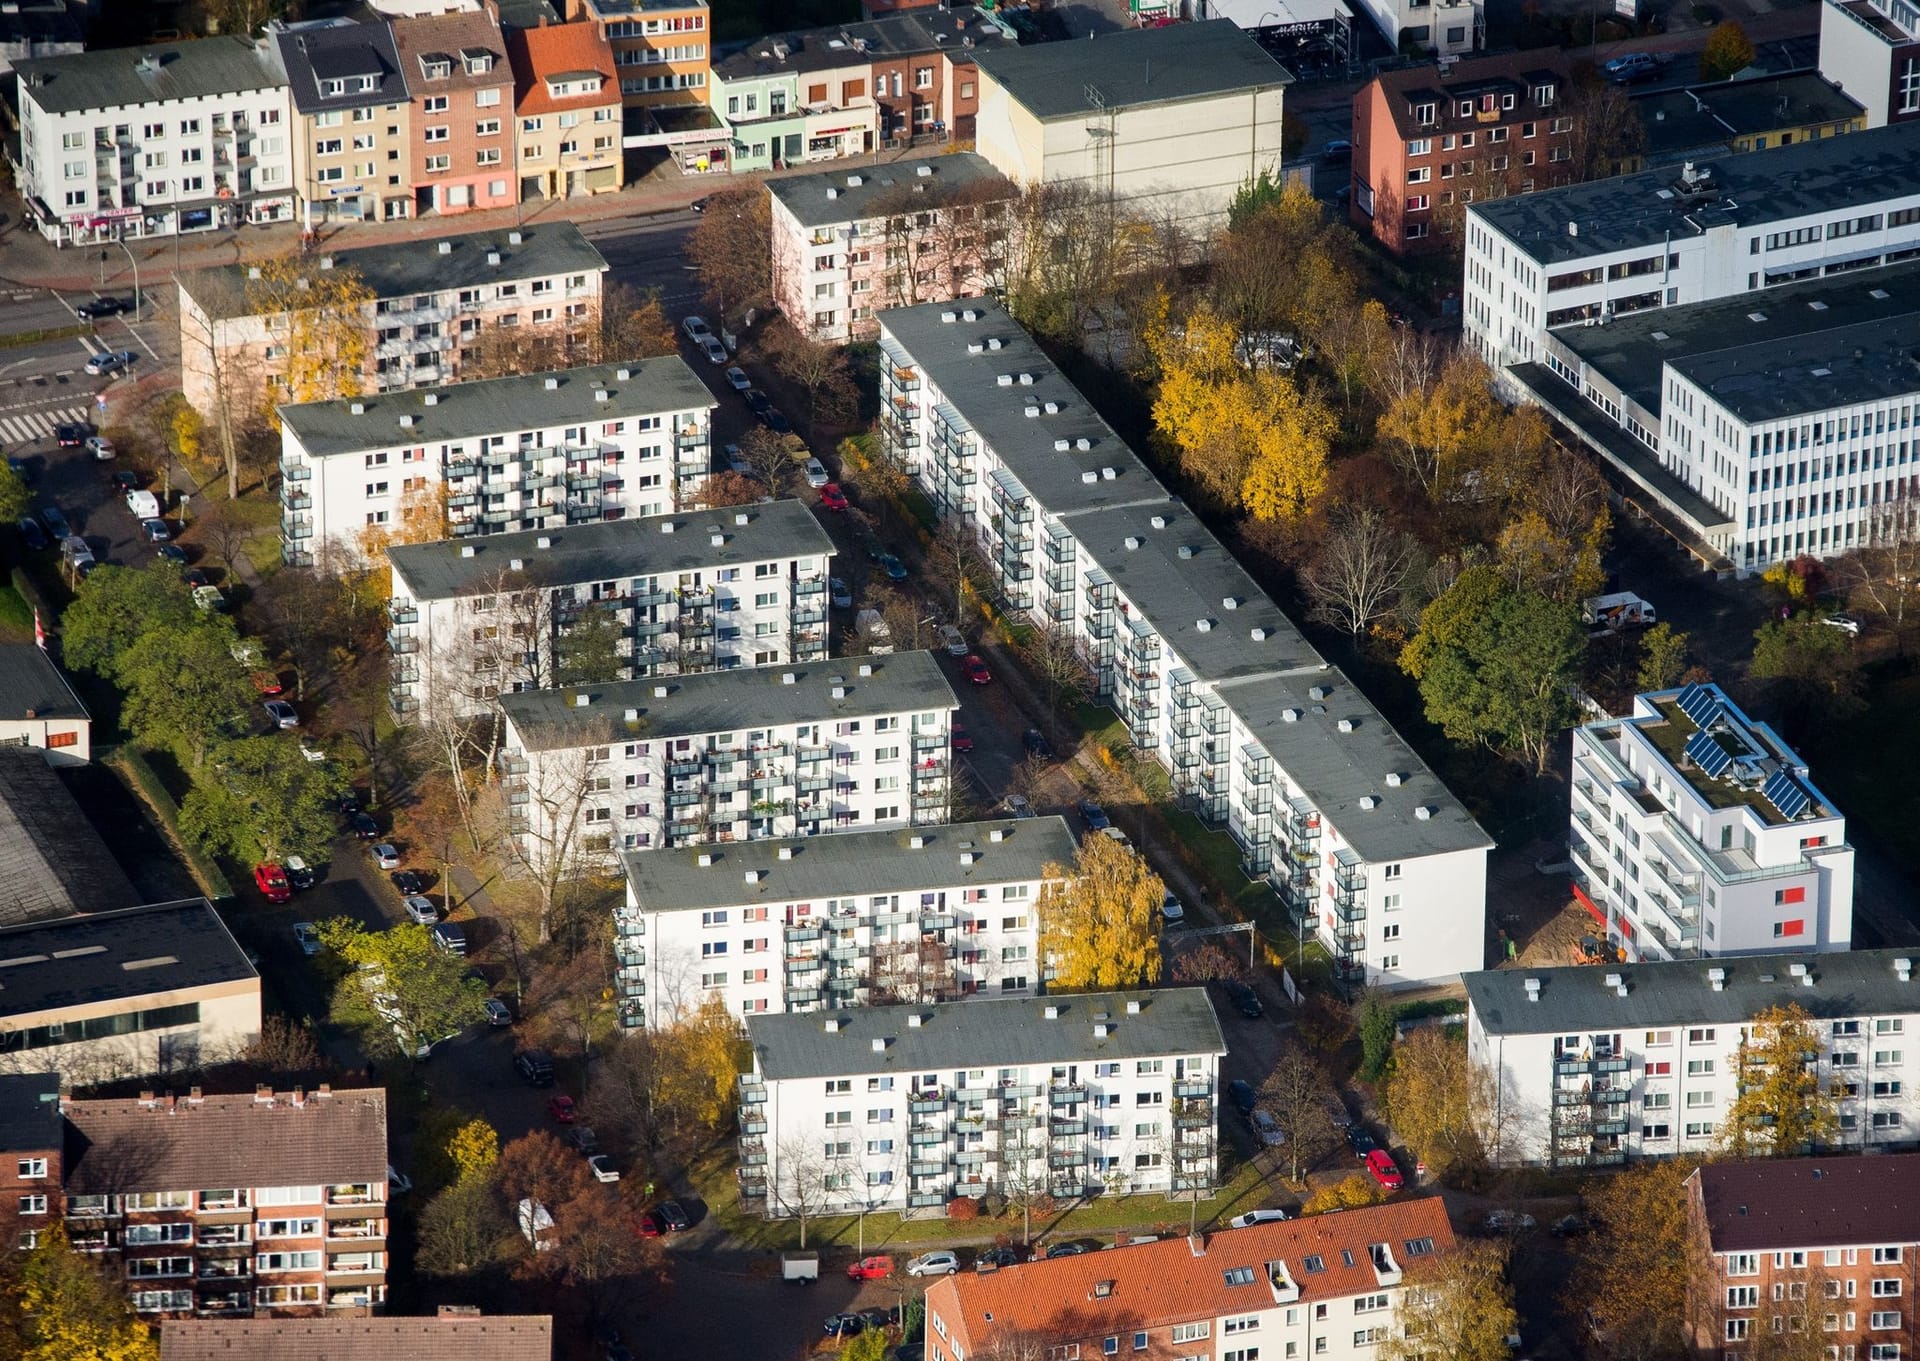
(507, 1337)
(1778, 1203)
(537, 53)
(1177, 1280)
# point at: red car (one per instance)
(962, 739)
(976, 669)
(832, 498)
(1381, 1167)
(871, 1269)
(561, 1109)
(271, 880)
(266, 682)
(652, 1225)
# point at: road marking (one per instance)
(87, 342)
(29, 426)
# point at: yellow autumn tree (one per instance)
(321, 320)
(1435, 432)
(422, 519)
(1779, 1107)
(1292, 442)
(473, 1149)
(63, 1306)
(1097, 920)
(704, 1059)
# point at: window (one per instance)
(1743, 1296)
(31, 1167)
(434, 104)
(1191, 1332)
(1886, 1286)
(1737, 1329)
(1886, 1256)
(1700, 1035)
(1889, 1026)
(1882, 1319)
(1246, 1323)
(33, 1205)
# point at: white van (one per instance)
(144, 505)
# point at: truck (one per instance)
(872, 628)
(801, 1268)
(1621, 610)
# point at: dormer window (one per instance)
(1543, 94)
(478, 60)
(366, 85)
(1423, 114)
(436, 65)
(330, 88)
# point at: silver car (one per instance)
(817, 473)
(420, 910)
(953, 640)
(716, 352)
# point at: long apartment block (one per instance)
(1697, 832)
(527, 452)
(908, 1107)
(271, 1204)
(931, 914)
(1260, 735)
(475, 618)
(1594, 1066)
(729, 756)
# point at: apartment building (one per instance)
(353, 120)
(527, 452)
(1871, 50)
(567, 109)
(1326, 1286)
(476, 618)
(1765, 429)
(1260, 735)
(32, 1150)
(461, 146)
(848, 244)
(43, 713)
(1169, 121)
(1696, 832)
(1594, 1066)
(825, 93)
(728, 756)
(908, 1108)
(455, 1333)
(138, 992)
(133, 142)
(869, 917)
(1806, 1245)
(432, 301)
(661, 47)
(1429, 140)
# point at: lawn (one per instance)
(16, 617)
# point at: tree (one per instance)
(1438, 432)
(727, 489)
(117, 606)
(803, 1177)
(820, 369)
(63, 1305)
(770, 457)
(1884, 575)
(423, 991)
(1631, 1272)
(1378, 1023)
(707, 1060)
(634, 325)
(1288, 471)
(15, 500)
(1097, 924)
(184, 688)
(869, 1345)
(1295, 1090)
(1496, 666)
(1456, 1304)
(1437, 1099)
(321, 320)
(587, 652)
(473, 1150)
(1207, 962)
(1805, 663)
(463, 1230)
(1363, 567)
(1607, 135)
(284, 1047)
(1053, 656)
(255, 804)
(551, 850)
(954, 560)
(1064, 259)
(1663, 658)
(1779, 1107)
(1353, 1192)
(731, 249)
(1728, 52)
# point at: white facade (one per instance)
(907, 1107)
(474, 619)
(1676, 863)
(1593, 1067)
(1260, 735)
(1870, 49)
(533, 451)
(738, 755)
(866, 918)
(1447, 28)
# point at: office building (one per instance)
(1870, 49)
(44, 713)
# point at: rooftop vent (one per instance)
(493, 257)
(1108, 474)
(969, 314)
(1158, 521)
(1052, 1012)
(1060, 446)
(706, 860)
(582, 700)
(659, 692)
(1613, 980)
(1185, 552)
(1717, 979)
(1369, 802)
(923, 171)
(787, 678)
(1318, 692)
(1903, 969)
(446, 248)
(514, 238)
(1756, 316)
(431, 399)
(602, 395)
(515, 564)
(1090, 478)
(966, 859)
(1229, 602)
(1204, 625)
(1083, 444)
(751, 876)
(1051, 408)
(1347, 724)
(1004, 380)
(1101, 1031)
(544, 541)
(326, 262)
(1289, 715)
(741, 517)
(839, 692)
(855, 181)
(916, 842)
(622, 375)
(666, 526)
(1259, 635)
(1817, 306)
(994, 342)
(1133, 1006)
(631, 715)
(357, 408)
(835, 193)
(915, 1020)
(1032, 410)
(866, 669)
(406, 420)
(717, 540)
(997, 835)
(466, 550)
(1394, 779)
(1533, 989)
(1424, 812)
(831, 1025)
(1026, 380)
(552, 384)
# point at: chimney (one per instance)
(299, 1097)
(459, 1311)
(193, 1096)
(146, 1098)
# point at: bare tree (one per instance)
(1608, 135)
(1024, 1177)
(821, 369)
(1407, 364)
(1885, 572)
(1053, 657)
(1295, 1090)
(1361, 570)
(547, 838)
(770, 457)
(803, 1180)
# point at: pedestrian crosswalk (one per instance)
(24, 427)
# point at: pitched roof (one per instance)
(31, 686)
(117, 957)
(1514, 73)
(311, 54)
(449, 1337)
(960, 33)
(1779, 1203)
(127, 77)
(537, 53)
(1133, 69)
(29, 1112)
(453, 36)
(55, 861)
(1152, 1285)
(121, 1144)
(920, 184)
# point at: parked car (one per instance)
(176, 555)
(1034, 743)
(845, 1325)
(299, 873)
(208, 597)
(1019, 807)
(737, 378)
(157, 531)
(1172, 913)
(420, 909)
(561, 1108)
(71, 434)
(895, 569)
(696, 329)
(1252, 1217)
(535, 1067)
(32, 536)
(736, 461)
(307, 936)
(1382, 1168)
(498, 1012)
(953, 640)
(55, 522)
(408, 882)
(602, 1167)
(101, 448)
(816, 472)
(838, 594)
(97, 309)
(650, 1225)
(386, 855)
(774, 421)
(109, 361)
(1509, 1221)
(271, 880)
(1845, 622)
(832, 497)
(1359, 1140)
(363, 825)
(1064, 1250)
(934, 1264)
(1570, 1226)
(758, 402)
(1245, 1000)
(871, 1269)
(1096, 816)
(976, 669)
(449, 938)
(124, 480)
(1630, 67)
(583, 1139)
(1339, 149)
(716, 352)
(284, 715)
(1240, 1092)
(992, 1258)
(1267, 1128)
(266, 682)
(673, 1216)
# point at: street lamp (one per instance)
(136, 275)
(918, 624)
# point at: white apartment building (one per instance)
(1696, 832)
(1446, 28)
(869, 917)
(729, 756)
(1592, 1066)
(909, 1107)
(1327, 1286)
(1870, 49)
(527, 452)
(474, 618)
(1261, 735)
(130, 142)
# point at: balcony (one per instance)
(928, 1101)
(1193, 1089)
(1067, 1093)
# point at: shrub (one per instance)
(963, 1207)
(1355, 1192)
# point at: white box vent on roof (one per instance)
(1879, 295)
(839, 692)
(1158, 521)
(916, 843)
(1083, 444)
(969, 314)
(1052, 1013)
(1204, 624)
(622, 375)
(1131, 542)
(446, 248)
(1004, 380)
(1026, 380)
(1229, 602)
(949, 317)
(831, 1025)
(741, 517)
(834, 192)
(866, 668)
(717, 540)
(751, 876)
(1259, 635)
(406, 420)
(1289, 715)
(1394, 779)
(1756, 316)
(551, 384)
(514, 238)
(1424, 812)
(1109, 474)
(493, 257)
(854, 182)
(1060, 446)
(515, 564)
(787, 678)
(994, 342)
(582, 700)
(1032, 410)
(915, 1020)
(1089, 478)
(543, 542)
(1101, 1031)
(1368, 801)
(966, 859)
(431, 399)
(632, 715)
(659, 692)
(602, 395)
(997, 835)
(976, 347)
(357, 408)
(1318, 692)
(785, 852)
(1347, 724)
(466, 550)
(1185, 552)
(1052, 408)
(706, 860)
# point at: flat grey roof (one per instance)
(522, 401)
(113, 78)
(861, 192)
(736, 700)
(882, 861)
(1637, 211)
(117, 956)
(1760, 354)
(609, 550)
(985, 1033)
(971, 384)
(30, 1112)
(1134, 68)
(56, 863)
(34, 686)
(406, 268)
(1845, 983)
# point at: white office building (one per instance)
(1696, 832)
(1592, 1066)
(1260, 735)
(1870, 49)
(527, 452)
(934, 914)
(130, 142)
(472, 619)
(729, 756)
(908, 1107)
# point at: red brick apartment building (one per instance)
(462, 146)
(273, 1203)
(1802, 1245)
(1429, 140)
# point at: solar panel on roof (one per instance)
(1707, 753)
(1787, 794)
(1699, 703)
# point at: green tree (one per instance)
(588, 651)
(118, 606)
(15, 499)
(1457, 1304)
(1805, 662)
(185, 690)
(1779, 1107)
(1728, 51)
(256, 803)
(463, 1230)
(1254, 197)
(1097, 921)
(1497, 665)
(1663, 658)
(63, 1306)
(401, 980)
(870, 1345)
(1376, 1036)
